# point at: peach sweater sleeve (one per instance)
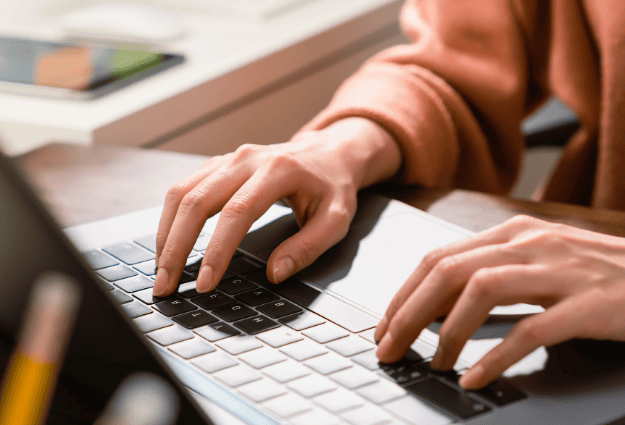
(453, 98)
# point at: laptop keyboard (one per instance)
(293, 351)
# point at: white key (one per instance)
(191, 348)
(328, 363)
(355, 377)
(368, 335)
(237, 376)
(262, 357)
(325, 333)
(302, 321)
(312, 385)
(170, 335)
(316, 417)
(416, 412)
(367, 359)
(239, 344)
(214, 362)
(262, 390)
(286, 371)
(152, 322)
(288, 405)
(350, 346)
(304, 350)
(382, 391)
(367, 415)
(339, 400)
(279, 337)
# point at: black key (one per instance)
(129, 253)
(448, 375)
(255, 325)
(99, 260)
(213, 300)
(400, 372)
(235, 285)
(148, 242)
(184, 278)
(195, 319)
(256, 297)
(194, 268)
(278, 309)
(173, 307)
(501, 393)
(448, 398)
(244, 265)
(235, 312)
(148, 297)
(121, 297)
(115, 273)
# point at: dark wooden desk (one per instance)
(83, 184)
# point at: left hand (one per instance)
(578, 276)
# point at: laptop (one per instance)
(300, 352)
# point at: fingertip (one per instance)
(283, 269)
(386, 351)
(161, 282)
(472, 379)
(205, 279)
(380, 330)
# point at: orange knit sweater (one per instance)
(455, 97)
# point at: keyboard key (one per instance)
(279, 337)
(174, 306)
(98, 260)
(368, 335)
(501, 393)
(213, 300)
(244, 265)
(135, 283)
(136, 309)
(382, 392)
(448, 398)
(147, 296)
(121, 297)
(148, 242)
(116, 273)
(355, 377)
(185, 277)
(256, 324)
(278, 309)
(400, 372)
(304, 350)
(147, 267)
(106, 284)
(214, 362)
(339, 401)
(195, 319)
(237, 376)
(234, 312)
(350, 346)
(191, 348)
(188, 290)
(239, 344)
(312, 385)
(256, 297)
(367, 359)
(262, 390)
(416, 412)
(301, 321)
(316, 417)
(367, 415)
(288, 405)
(286, 371)
(423, 350)
(328, 363)
(235, 285)
(129, 253)
(216, 331)
(152, 322)
(262, 357)
(201, 242)
(325, 333)
(170, 335)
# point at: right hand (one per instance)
(318, 174)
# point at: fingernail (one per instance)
(283, 268)
(161, 282)
(438, 361)
(472, 377)
(380, 330)
(205, 279)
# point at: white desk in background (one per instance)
(243, 81)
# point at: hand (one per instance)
(577, 275)
(318, 174)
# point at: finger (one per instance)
(327, 226)
(250, 202)
(559, 323)
(436, 294)
(487, 288)
(204, 201)
(494, 236)
(174, 197)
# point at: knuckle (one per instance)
(432, 258)
(484, 282)
(446, 267)
(521, 221)
(530, 333)
(245, 151)
(192, 201)
(176, 193)
(236, 208)
(281, 160)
